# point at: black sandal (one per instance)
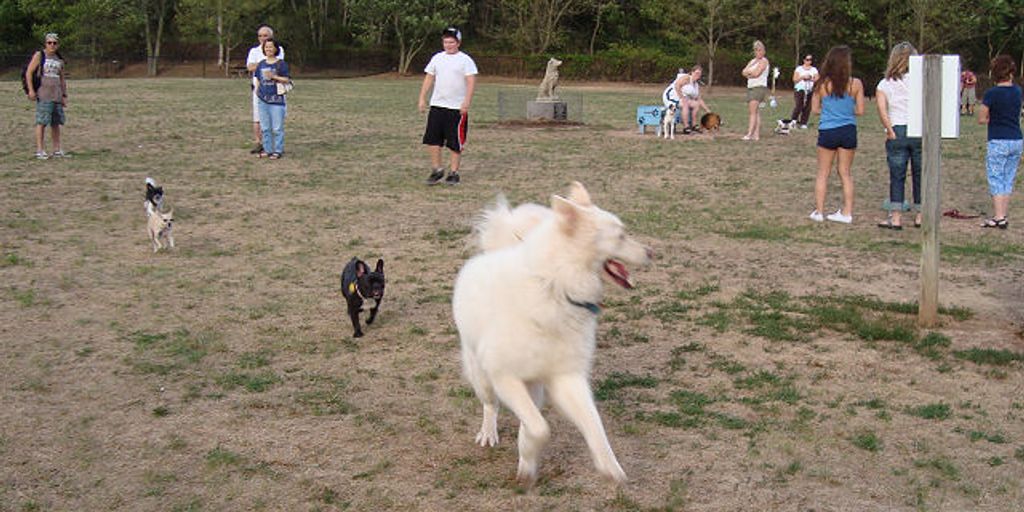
(996, 223)
(889, 225)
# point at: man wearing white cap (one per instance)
(452, 74)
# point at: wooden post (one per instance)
(931, 197)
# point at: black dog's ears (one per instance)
(380, 265)
(361, 269)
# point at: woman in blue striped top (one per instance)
(839, 99)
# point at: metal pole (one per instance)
(928, 312)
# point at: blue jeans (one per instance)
(898, 152)
(1001, 164)
(272, 126)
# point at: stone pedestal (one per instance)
(552, 110)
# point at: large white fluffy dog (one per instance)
(526, 309)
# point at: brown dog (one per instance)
(711, 122)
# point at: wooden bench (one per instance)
(650, 115)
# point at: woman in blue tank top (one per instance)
(839, 99)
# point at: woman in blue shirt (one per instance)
(1000, 110)
(839, 99)
(270, 72)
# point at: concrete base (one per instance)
(552, 110)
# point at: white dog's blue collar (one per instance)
(589, 306)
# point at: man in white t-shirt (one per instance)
(452, 74)
(804, 77)
(263, 33)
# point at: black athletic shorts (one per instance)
(446, 127)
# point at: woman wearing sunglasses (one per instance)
(50, 94)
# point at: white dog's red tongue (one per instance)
(618, 273)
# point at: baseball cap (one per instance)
(452, 32)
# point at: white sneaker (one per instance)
(839, 217)
(816, 216)
(60, 154)
(41, 155)
(803, 127)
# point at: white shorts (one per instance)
(255, 101)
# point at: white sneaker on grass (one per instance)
(41, 155)
(839, 217)
(60, 154)
(816, 216)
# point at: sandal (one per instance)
(275, 156)
(262, 154)
(996, 223)
(889, 225)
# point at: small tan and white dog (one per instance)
(526, 309)
(159, 225)
(668, 121)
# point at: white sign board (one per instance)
(950, 96)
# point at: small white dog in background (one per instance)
(526, 309)
(158, 224)
(668, 121)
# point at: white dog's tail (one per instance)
(499, 226)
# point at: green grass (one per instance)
(939, 411)
(608, 388)
(994, 357)
(867, 441)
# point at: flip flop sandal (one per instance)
(995, 223)
(889, 225)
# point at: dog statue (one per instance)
(668, 121)
(546, 91)
(358, 284)
(710, 122)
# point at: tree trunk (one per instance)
(221, 62)
(597, 27)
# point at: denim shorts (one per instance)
(842, 137)
(1001, 163)
(49, 113)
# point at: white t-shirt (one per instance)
(897, 92)
(256, 55)
(807, 84)
(691, 90)
(450, 71)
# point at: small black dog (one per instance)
(154, 196)
(359, 284)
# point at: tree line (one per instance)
(588, 34)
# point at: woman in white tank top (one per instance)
(756, 73)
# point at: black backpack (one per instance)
(37, 77)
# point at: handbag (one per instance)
(284, 88)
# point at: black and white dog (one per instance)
(154, 196)
(783, 126)
(358, 284)
(668, 121)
